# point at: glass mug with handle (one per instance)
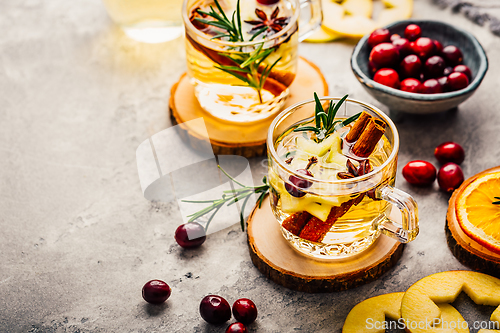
(330, 202)
(242, 55)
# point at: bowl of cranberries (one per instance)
(419, 66)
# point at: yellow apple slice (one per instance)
(419, 302)
(322, 35)
(318, 149)
(358, 7)
(396, 10)
(336, 20)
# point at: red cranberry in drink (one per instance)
(424, 47)
(434, 67)
(458, 81)
(411, 85)
(443, 82)
(450, 177)
(419, 173)
(156, 292)
(403, 46)
(447, 71)
(463, 69)
(452, 55)
(190, 235)
(410, 66)
(431, 86)
(413, 32)
(384, 55)
(395, 37)
(267, 2)
(237, 328)
(438, 45)
(379, 36)
(449, 152)
(215, 309)
(297, 183)
(245, 311)
(388, 77)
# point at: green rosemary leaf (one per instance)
(228, 176)
(197, 201)
(261, 198)
(212, 217)
(242, 78)
(242, 213)
(497, 198)
(221, 35)
(213, 23)
(306, 128)
(258, 33)
(496, 202)
(265, 74)
(330, 114)
(235, 68)
(338, 105)
(319, 109)
(351, 119)
(220, 10)
(324, 118)
(238, 13)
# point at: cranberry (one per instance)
(388, 77)
(384, 55)
(419, 173)
(443, 82)
(431, 86)
(297, 183)
(424, 47)
(434, 67)
(411, 85)
(268, 2)
(190, 235)
(438, 45)
(156, 292)
(448, 70)
(463, 69)
(410, 66)
(403, 46)
(215, 309)
(458, 81)
(372, 68)
(413, 32)
(237, 328)
(244, 310)
(379, 36)
(450, 176)
(395, 37)
(452, 55)
(449, 152)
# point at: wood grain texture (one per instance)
(278, 261)
(248, 140)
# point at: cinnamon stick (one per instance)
(295, 222)
(358, 127)
(368, 140)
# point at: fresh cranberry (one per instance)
(384, 55)
(463, 69)
(421, 77)
(431, 86)
(450, 176)
(413, 32)
(190, 235)
(379, 36)
(448, 70)
(237, 328)
(395, 37)
(434, 67)
(449, 152)
(424, 47)
(458, 81)
(156, 292)
(438, 45)
(411, 85)
(297, 183)
(452, 55)
(215, 309)
(403, 46)
(410, 66)
(244, 310)
(268, 2)
(443, 82)
(372, 68)
(419, 173)
(388, 77)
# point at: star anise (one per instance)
(364, 168)
(274, 23)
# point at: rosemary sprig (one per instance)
(325, 121)
(231, 27)
(497, 202)
(230, 197)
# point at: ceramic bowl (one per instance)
(402, 101)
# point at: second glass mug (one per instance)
(358, 227)
(246, 81)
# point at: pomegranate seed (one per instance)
(215, 309)
(237, 328)
(156, 292)
(419, 173)
(450, 177)
(449, 152)
(245, 311)
(190, 235)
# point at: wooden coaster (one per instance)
(247, 140)
(278, 261)
(465, 249)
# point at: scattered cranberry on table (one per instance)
(190, 235)
(237, 328)
(449, 152)
(156, 292)
(419, 173)
(215, 309)
(450, 177)
(379, 36)
(388, 77)
(245, 311)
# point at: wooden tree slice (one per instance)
(248, 140)
(278, 261)
(465, 249)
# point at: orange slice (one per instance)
(476, 212)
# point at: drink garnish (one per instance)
(497, 201)
(263, 24)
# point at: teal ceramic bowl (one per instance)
(402, 101)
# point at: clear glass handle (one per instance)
(310, 17)
(407, 230)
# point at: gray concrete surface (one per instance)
(77, 238)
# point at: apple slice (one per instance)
(419, 302)
(358, 7)
(318, 149)
(322, 35)
(354, 26)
